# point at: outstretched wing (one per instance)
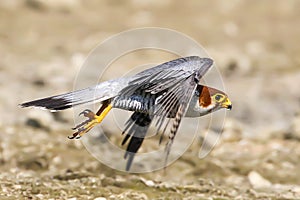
(173, 105)
(167, 74)
(155, 81)
(172, 93)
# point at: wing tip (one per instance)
(129, 156)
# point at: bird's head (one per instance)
(211, 99)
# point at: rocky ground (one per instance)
(255, 47)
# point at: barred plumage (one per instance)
(162, 94)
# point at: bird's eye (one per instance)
(218, 97)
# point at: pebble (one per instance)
(40, 118)
(296, 127)
(149, 183)
(54, 4)
(257, 181)
(40, 196)
(100, 198)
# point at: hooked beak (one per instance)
(227, 104)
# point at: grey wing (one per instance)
(137, 126)
(174, 91)
(165, 75)
(167, 85)
(154, 81)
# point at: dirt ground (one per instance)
(255, 45)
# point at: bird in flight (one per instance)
(161, 95)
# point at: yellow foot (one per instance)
(92, 121)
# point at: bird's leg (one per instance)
(93, 120)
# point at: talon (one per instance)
(92, 121)
(88, 113)
(73, 136)
(81, 113)
(81, 124)
(84, 112)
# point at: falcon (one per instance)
(161, 95)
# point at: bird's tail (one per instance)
(98, 93)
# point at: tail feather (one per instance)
(63, 101)
(54, 103)
(98, 93)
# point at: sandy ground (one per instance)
(255, 45)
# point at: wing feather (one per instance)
(172, 88)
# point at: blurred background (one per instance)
(255, 45)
